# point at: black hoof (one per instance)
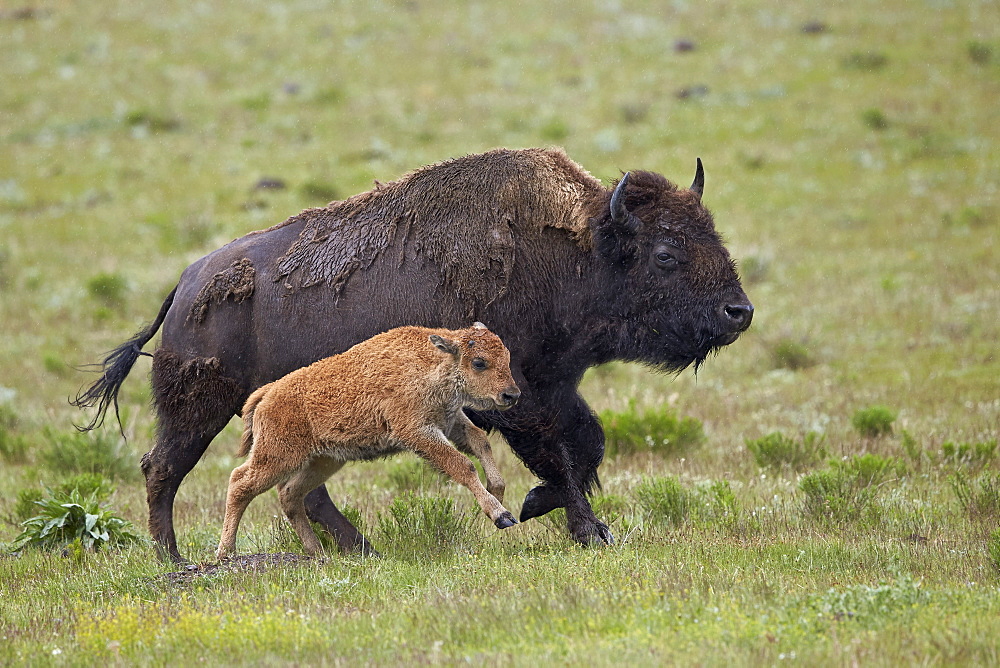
(539, 501)
(505, 520)
(594, 535)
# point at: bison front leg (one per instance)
(563, 444)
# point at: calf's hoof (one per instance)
(505, 520)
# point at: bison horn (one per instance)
(699, 180)
(619, 214)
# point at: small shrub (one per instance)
(664, 500)
(425, 524)
(870, 61)
(65, 518)
(88, 452)
(319, 192)
(554, 130)
(912, 448)
(411, 473)
(875, 119)
(993, 548)
(659, 431)
(26, 504)
(980, 53)
(867, 604)
(777, 450)
(980, 500)
(792, 355)
(874, 421)
(109, 289)
(973, 455)
(13, 446)
(846, 489)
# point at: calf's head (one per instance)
(483, 365)
(678, 296)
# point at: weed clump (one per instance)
(664, 501)
(108, 288)
(867, 604)
(425, 524)
(874, 421)
(71, 519)
(788, 354)
(971, 455)
(13, 446)
(980, 53)
(778, 451)
(875, 118)
(979, 500)
(993, 548)
(846, 489)
(658, 431)
(87, 452)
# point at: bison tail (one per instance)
(249, 408)
(115, 368)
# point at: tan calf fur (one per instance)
(401, 390)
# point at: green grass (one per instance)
(852, 168)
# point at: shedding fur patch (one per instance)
(466, 216)
(234, 282)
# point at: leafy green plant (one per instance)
(875, 119)
(425, 524)
(874, 421)
(108, 288)
(775, 450)
(846, 489)
(411, 473)
(793, 355)
(657, 430)
(867, 604)
(64, 518)
(980, 499)
(993, 548)
(664, 500)
(88, 452)
(972, 455)
(13, 446)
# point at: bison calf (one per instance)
(401, 390)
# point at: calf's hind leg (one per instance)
(292, 495)
(247, 482)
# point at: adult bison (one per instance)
(568, 272)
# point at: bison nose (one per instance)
(510, 396)
(738, 316)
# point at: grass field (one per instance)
(826, 490)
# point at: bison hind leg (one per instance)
(292, 496)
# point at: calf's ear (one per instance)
(444, 344)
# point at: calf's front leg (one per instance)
(431, 444)
(472, 440)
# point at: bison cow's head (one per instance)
(678, 296)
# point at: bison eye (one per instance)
(666, 260)
(479, 364)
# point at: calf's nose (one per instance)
(738, 316)
(510, 396)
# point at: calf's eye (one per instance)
(479, 364)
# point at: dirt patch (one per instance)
(248, 563)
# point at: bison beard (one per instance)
(567, 272)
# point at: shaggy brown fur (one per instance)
(404, 389)
(234, 282)
(534, 188)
